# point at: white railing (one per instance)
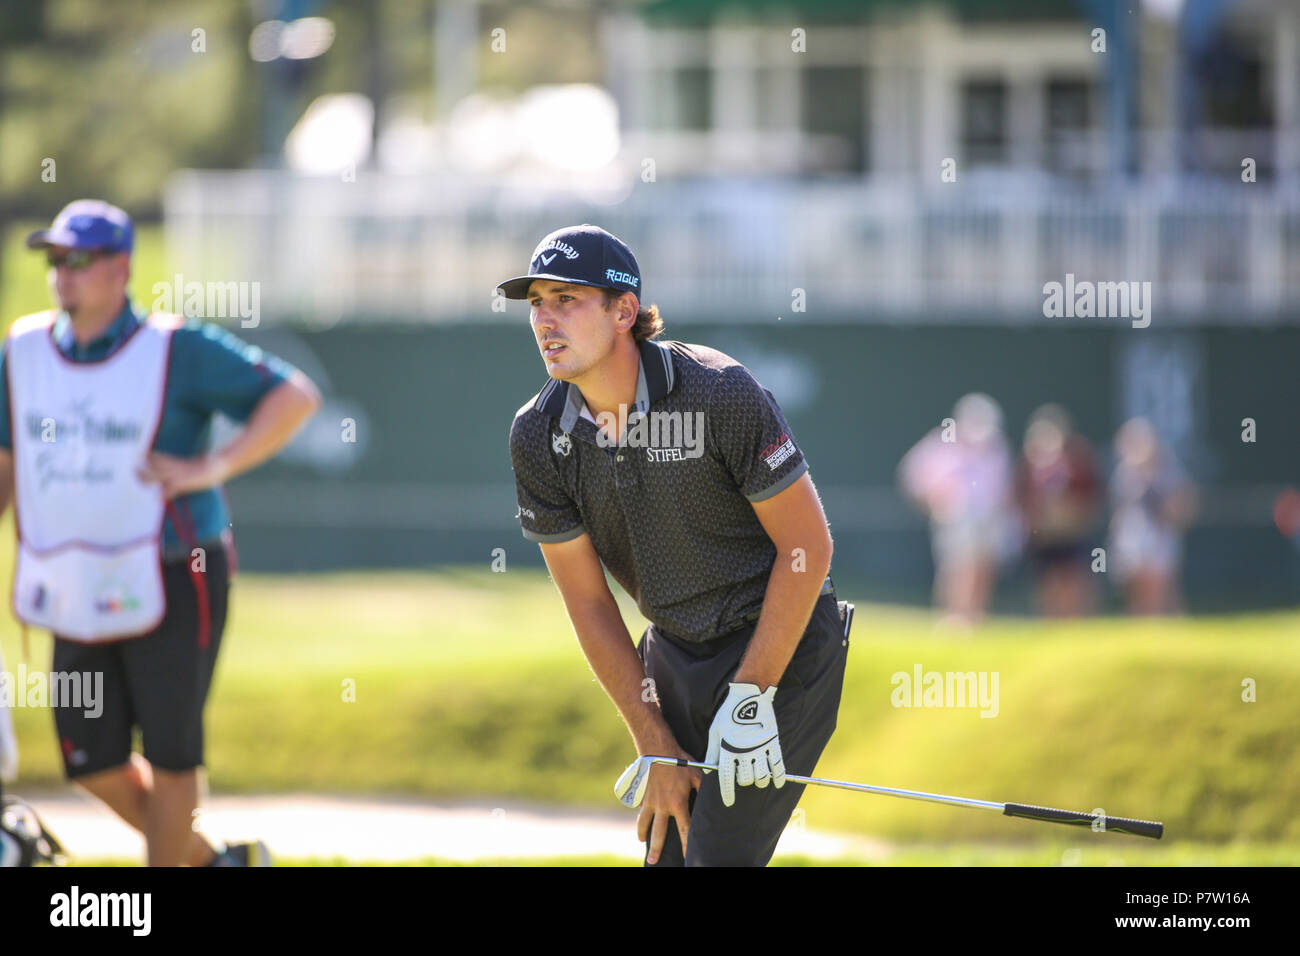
(432, 249)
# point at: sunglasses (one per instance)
(74, 258)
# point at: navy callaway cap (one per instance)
(87, 224)
(583, 255)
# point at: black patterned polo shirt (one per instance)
(668, 511)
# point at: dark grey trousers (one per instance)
(691, 683)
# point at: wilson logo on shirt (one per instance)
(778, 452)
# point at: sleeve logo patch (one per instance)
(777, 453)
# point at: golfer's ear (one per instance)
(628, 307)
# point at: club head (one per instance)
(630, 788)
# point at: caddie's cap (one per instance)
(87, 224)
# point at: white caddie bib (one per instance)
(89, 555)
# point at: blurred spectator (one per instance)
(1058, 492)
(1286, 514)
(960, 476)
(1153, 502)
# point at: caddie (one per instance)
(124, 544)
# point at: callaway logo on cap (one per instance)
(583, 255)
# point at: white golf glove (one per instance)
(743, 741)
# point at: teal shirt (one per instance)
(209, 371)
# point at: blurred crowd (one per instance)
(1051, 506)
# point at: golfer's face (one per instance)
(574, 321)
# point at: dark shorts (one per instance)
(691, 683)
(158, 682)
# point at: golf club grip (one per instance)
(1143, 828)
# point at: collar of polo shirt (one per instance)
(65, 337)
(654, 380)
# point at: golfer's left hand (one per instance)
(179, 476)
(743, 741)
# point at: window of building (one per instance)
(984, 121)
(1067, 124)
(694, 94)
(834, 107)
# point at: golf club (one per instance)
(630, 790)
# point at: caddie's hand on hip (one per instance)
(179, 476)
(743, 741)
(667, 794)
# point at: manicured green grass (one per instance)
(956, 854)
(469, 683)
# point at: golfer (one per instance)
(123, 530)
(670, 466)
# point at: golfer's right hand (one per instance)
(667, 794)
